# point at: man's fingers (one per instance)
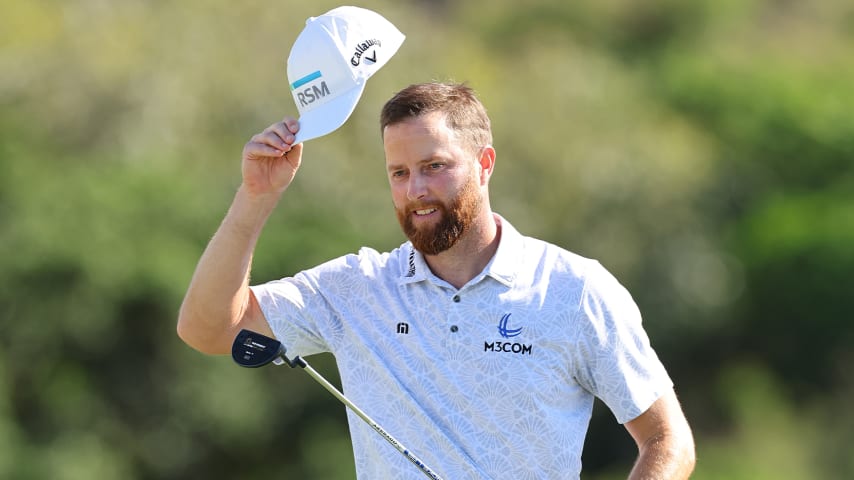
(291, 124)
(274, 139)
(254, 150)
(285, 129)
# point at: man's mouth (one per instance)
(424, 211)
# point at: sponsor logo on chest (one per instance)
(506, 330)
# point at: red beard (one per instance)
(455, 219)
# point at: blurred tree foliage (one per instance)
(701, 150)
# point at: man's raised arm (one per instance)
(218, 302)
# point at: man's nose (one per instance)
(417, 187)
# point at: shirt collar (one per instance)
(502, 267)
(504, 263)
(413, 267)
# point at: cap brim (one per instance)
(326, 118)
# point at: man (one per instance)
(477, 347)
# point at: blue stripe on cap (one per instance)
(302, 81)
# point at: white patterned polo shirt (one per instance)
(494, 380)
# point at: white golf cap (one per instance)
(330, 63)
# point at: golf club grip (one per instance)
(364, 416)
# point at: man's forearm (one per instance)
(665, 457)
(219, 290)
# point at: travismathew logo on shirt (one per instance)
(362, 48)
(507, 332)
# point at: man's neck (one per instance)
(471, 254)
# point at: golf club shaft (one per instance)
(364, 416)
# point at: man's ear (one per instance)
(487, 163)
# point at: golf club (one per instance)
(253, 350)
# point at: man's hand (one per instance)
(270, 160)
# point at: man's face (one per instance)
(434, 182)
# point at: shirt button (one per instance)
(456, 299)
(454, 329)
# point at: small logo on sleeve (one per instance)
(403, 328)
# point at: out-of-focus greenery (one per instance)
(701, 150)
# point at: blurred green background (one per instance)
(701, 150)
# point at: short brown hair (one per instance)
(463, 111)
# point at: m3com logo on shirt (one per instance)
(508, 347)
(507, 332)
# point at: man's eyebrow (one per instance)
(430, 159)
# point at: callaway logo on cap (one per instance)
(331, 62)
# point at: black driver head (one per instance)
(254, 350)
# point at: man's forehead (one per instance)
(431, 125)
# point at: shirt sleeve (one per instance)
(614, 359)
(300, 314)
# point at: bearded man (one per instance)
(478, 347)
